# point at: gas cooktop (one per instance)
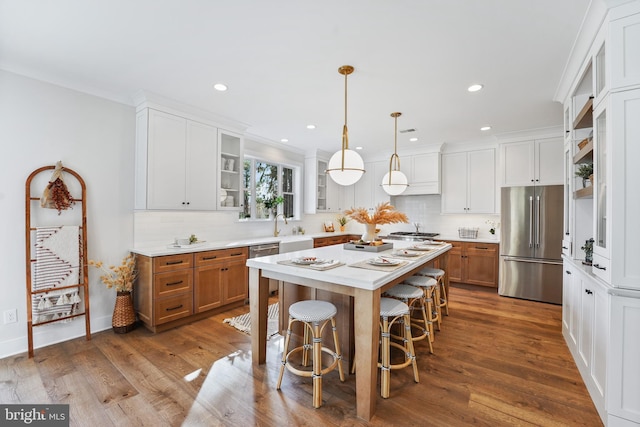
(409, 235)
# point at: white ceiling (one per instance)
(280, 60)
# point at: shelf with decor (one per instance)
(584, 119)
(585, 155)
(583, 193)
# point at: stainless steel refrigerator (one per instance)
(531, 243)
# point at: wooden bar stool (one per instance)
(392, 310)
(430, 287)
(415, 300)
(438, 274)
(315, 315)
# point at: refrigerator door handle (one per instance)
(532, 261)
(538, 222)
(530, 221)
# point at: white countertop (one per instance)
(343, 275)
(225, 244)
(460, 239)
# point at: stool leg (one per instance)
(317, 365)
(411, 351)
(336, 343)
(284, 353)
(306, 344)
(443, 295)
(425, 319)
(386, 359)
(436, 305)
(429, 301)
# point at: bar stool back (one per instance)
(438, 274)
(415, 300)
(430, 286)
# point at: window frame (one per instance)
(295, 193)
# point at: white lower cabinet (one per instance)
(585, 327)
(623, 373)
(601, 326)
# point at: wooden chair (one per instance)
(438, 274)
(429, 286)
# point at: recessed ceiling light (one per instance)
(358, 148)
(220, 87)
(485, 128)
(474, 88)
(284, 140)
(311, 126)
(413, 139)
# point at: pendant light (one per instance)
(395, 182)
(345, 166)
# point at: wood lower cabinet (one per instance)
(175, 289)
(474, 263)
(221, 278)
(333, 240)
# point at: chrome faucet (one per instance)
(275, 224)
(417, 226)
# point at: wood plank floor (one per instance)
(498, 362)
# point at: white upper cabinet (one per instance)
(231, 168)
(321, 193)
(368, 190)
(468, 182)
(176, 162)
(537, 162)
(423, 173)
(623, 49)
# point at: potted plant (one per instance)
(385, 213)
(585, 171)
(588, 251)
(342, 220)
(271, 204)
(120, 277)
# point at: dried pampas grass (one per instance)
(385, 213)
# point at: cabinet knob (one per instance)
(564, 247)
(588, 291)
(599, 267)
(567, 271)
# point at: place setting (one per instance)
(312, 263)
(380, 263)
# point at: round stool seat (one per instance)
(422, 281)
(312, 310)
(433, 272)
(404, 292)
(390, 307)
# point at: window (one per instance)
(264, 182)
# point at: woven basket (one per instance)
(124, 317)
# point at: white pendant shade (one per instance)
(399, 183)
(352, 170)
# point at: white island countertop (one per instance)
(344, 274)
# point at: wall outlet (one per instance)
(10, 316)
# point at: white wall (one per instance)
(40, 124)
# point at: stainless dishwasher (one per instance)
(257, 251)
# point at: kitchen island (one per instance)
(364, 285)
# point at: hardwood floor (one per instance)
(498, 362)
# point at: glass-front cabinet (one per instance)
(601, 256)
(230, 169)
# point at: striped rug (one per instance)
(243, 322)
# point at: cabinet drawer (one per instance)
(488, 249)
(208, 257)
(172, 262)
(601, 267)
(173, 308)
(173, 282)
